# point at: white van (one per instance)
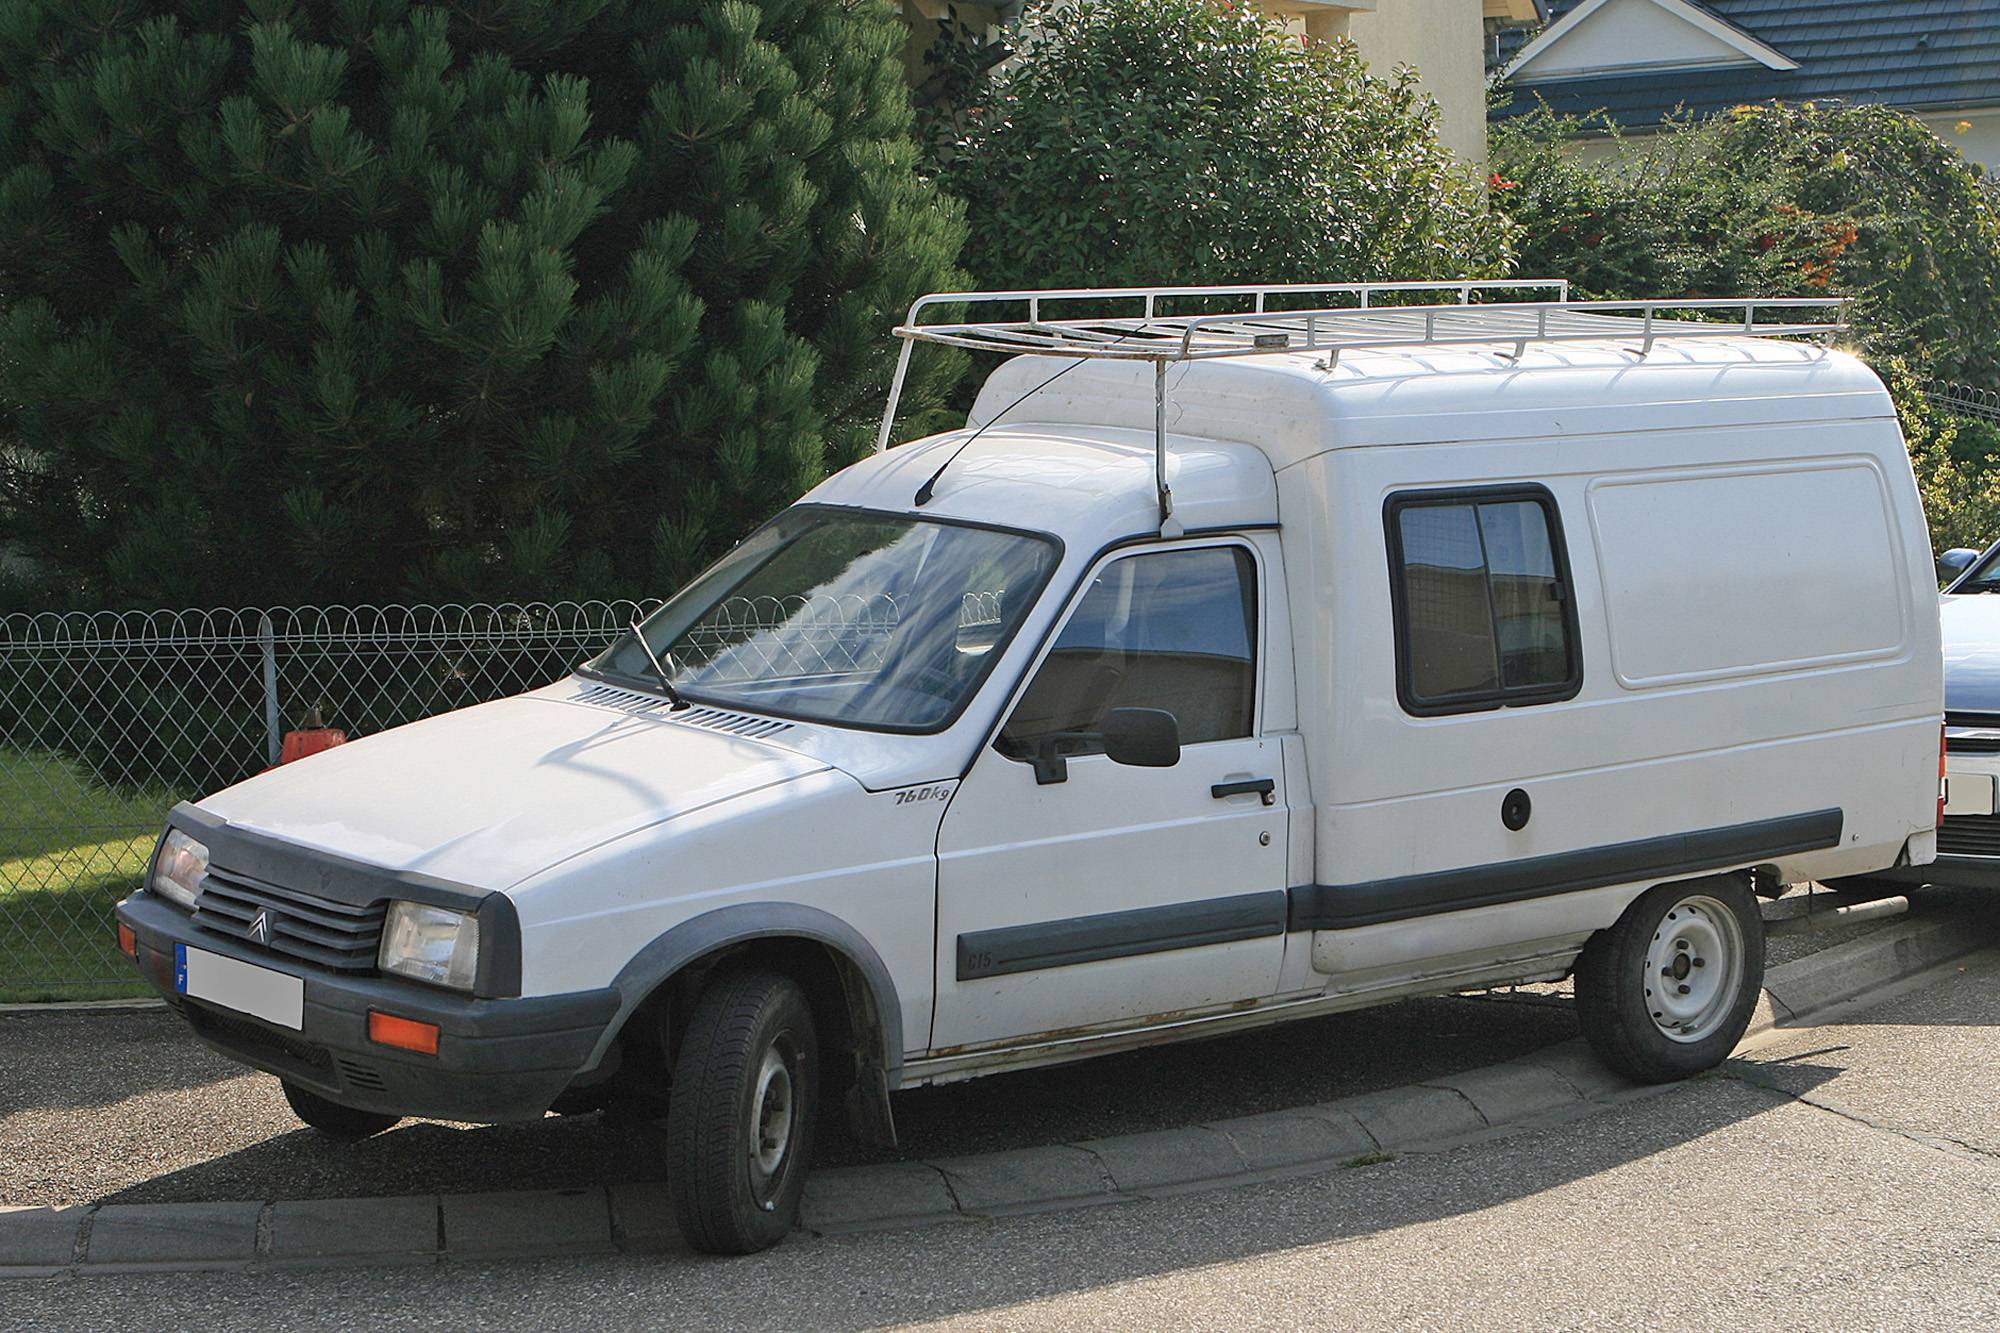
(1223, 670)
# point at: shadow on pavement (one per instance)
(1298, 1064)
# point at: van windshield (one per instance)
(875, 621)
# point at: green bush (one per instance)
(1771, 200)
(1152, 142)
(1961, 495)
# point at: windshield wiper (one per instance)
(673, 695)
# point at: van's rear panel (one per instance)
(1759, 669)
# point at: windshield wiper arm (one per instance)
(673, 695)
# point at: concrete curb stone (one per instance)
(518, 1223)
(193, 1235)
(1558, 1083)
(1799, 990)
(37, 1238)
(312, 1232)
(997, 1183)
(1279, 1140)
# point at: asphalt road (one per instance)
(1842, 1177)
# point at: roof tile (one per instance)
(1859, 52)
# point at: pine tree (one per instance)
(309, 300)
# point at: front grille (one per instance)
(338, 936)
(1969, 835)
(1972, 733)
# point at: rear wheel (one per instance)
(331, 1118)
(739, 1132)
(1668, 991)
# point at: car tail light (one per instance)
(1940, 814)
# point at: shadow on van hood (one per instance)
(1971, 623)
(487, 796)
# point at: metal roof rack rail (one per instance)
(1099, 323)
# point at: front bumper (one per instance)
(497, 1060)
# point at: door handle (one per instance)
(1264, 787)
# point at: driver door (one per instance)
(1076, 892)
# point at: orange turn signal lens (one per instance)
(407, 1033)
(128, 943)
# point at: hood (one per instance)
(1971, 625)
(487, 796)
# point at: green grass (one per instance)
(69, 850)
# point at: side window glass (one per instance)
(1172, 630)
(1483, 613)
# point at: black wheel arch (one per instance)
(854, 1001)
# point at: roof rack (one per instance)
(1101, 323)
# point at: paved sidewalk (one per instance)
(1560, 1083)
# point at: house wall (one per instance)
(1444, 39)
(1978, 142)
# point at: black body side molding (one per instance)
(1338, 906)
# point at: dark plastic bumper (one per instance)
(1959, 872)
(497, 1060)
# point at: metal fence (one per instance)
(1965, 400)
(107, 719)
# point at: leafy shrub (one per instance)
(1825, 199)
(1151, 142)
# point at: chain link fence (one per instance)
(107, 719)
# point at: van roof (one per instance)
(1294, 405)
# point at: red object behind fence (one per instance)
(299, 744)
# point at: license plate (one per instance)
(275, 997)
(1968, 793)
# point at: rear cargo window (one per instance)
(1484, 618)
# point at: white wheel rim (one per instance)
(1694, 966)
(771, 1115)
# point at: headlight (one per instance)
(433, 944)
(177, 868)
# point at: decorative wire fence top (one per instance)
(343, 624)
(108, 718)
(1965, 400)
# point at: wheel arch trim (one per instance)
(742, 923)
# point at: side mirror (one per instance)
(1955, 562)
(1142, 737)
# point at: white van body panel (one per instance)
(1748, 577)
(1764, 484)
(865, 858)
(508, 788)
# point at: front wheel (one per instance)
(331, 1118)
(1668, 991)
(739, 1131)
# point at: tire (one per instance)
(331, 1118)
(1668, 991)
(739, 1131)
